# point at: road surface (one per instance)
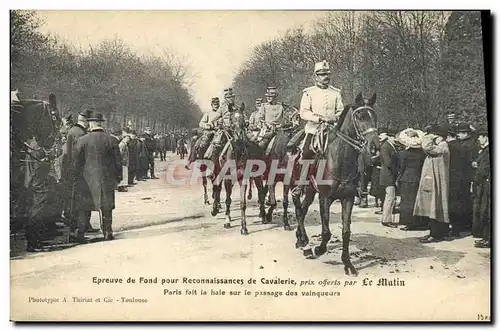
(165, 233)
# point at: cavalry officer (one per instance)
(320, 103)
(254, 125)
(208, 124)
(228, 112)
(271, 115)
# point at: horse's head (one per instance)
(359, 121)
(37, 119)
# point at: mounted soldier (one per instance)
(208, 124)
(254, 124)
(272, 115)
(320, 103)
(230, 114)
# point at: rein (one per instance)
(357, 143)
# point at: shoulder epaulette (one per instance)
(308, 88)
(334, 88)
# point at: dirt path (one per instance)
(165, 231)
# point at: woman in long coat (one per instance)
(432, 196)
(411, 162)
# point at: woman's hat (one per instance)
(410, 138)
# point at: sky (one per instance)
(214, 44)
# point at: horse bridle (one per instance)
(360, 141)
(53, 118)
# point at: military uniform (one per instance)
(254, 121)
(208, 123)
(271, 115)
(319, 103)
(230, 116)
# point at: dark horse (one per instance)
(278, 157)
(234, 158)
(356, 128)
(30, 119)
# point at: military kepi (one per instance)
(228, 92)
(322, 67)
(271, 91)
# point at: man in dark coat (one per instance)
(388, 174)
(98, 167)
(481, 226)
(142, 159)
(133, 161)
(469, 150)
(67, 173)
(459, 169)
(162, 146)
(150, 145)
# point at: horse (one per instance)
(239, 150)
(355, 129)
(278, 154)
(30, 119)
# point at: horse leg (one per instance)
(205, 194)
(243, 207)
(296, 194)
(272, 204)
(303, 241)
(228, 186)
(347, 204)
(324, 209)
(250, 189)
(286, 225)
(261, 193)
(216, 195)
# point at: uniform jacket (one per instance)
(229, 114)
(317, 102)
(254, 121)
(98, 168)
(272, 114)
(432, 195)
(208, 120)
(388, 163)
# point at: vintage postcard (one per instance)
(250, 165)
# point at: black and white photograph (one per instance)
(250, 165)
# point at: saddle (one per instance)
(319, 142)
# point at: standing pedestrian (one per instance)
(388, 174)
(482, 205)
(432, 196)
(98, 164)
